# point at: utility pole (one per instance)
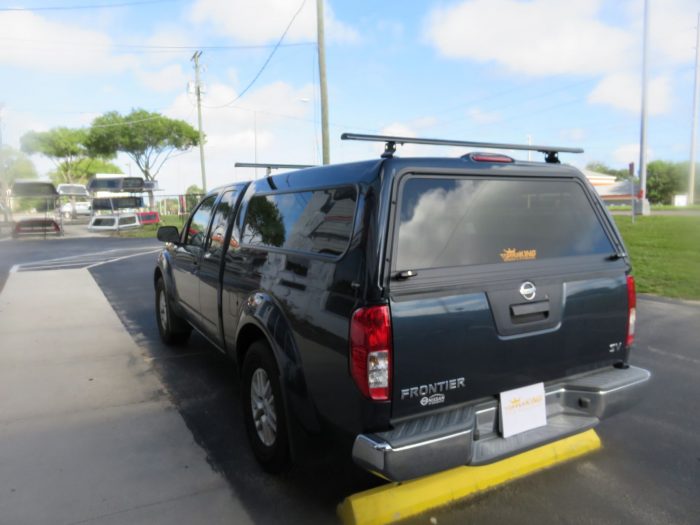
(198, 93)
(643, 202)
(691, 174)
(320, 42)
(3, 189)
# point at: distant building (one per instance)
(610, 190)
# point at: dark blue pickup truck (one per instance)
(441, 311)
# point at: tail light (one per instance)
(370, 351)
(631, 310)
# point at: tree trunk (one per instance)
(3, 192)
(151, 198)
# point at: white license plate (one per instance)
(522, 409)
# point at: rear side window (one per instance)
(317, 221)
(447, 222)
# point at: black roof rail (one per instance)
(390, 142)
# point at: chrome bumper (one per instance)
(469, 435)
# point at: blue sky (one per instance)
(565, 73)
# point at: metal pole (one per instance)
(691, 174)
(198, 92)
(3, 189)
(643, 132)
(322, 80)
(255, 133)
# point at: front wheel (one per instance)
(263, 409)
(173, 329)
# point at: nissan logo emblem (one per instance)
(528, 290)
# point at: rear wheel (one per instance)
(263, 410)
(173, 329)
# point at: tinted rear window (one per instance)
(456, 222)
(310, 221)
(103, 222)
(117, 203)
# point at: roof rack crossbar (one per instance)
(270, 166)
(551, 152)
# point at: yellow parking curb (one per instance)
(396, 501)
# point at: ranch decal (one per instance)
(513, 254)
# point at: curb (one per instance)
(397, 501)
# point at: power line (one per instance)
(157, 48)
(519, 101)
(260, 71)
(88, 6)
(129, 123)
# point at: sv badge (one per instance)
(615, 347)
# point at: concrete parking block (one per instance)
(397, 501)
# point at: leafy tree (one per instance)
(83, 170)
(664, 180)
(65, 147)
(264, 221)
(149, 139)
(14, 165)
(601, 167)
(192, 196)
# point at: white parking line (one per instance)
(86, 260)
(121, 258)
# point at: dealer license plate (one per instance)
(522, 409)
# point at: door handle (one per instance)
(539, 307)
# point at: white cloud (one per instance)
(167, 36)
(33, 42)
(671, 27)
(263, 21)
(272, 117)
(169, 78)
(623, 91)
(630, 153)
(540, 37)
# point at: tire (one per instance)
(173, 329)
(263, 408)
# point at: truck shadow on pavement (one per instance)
(203, 385)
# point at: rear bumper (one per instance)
(469, 435)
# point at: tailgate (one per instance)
(512, 285)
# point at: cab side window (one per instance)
(197, 227)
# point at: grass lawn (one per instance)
(665, 253)
(657, 207)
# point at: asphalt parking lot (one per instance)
(647, 472)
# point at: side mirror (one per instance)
(168, 234)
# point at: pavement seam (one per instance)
(671, 354)
(159, 400)
(219, 485)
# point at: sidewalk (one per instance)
(87, 434)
